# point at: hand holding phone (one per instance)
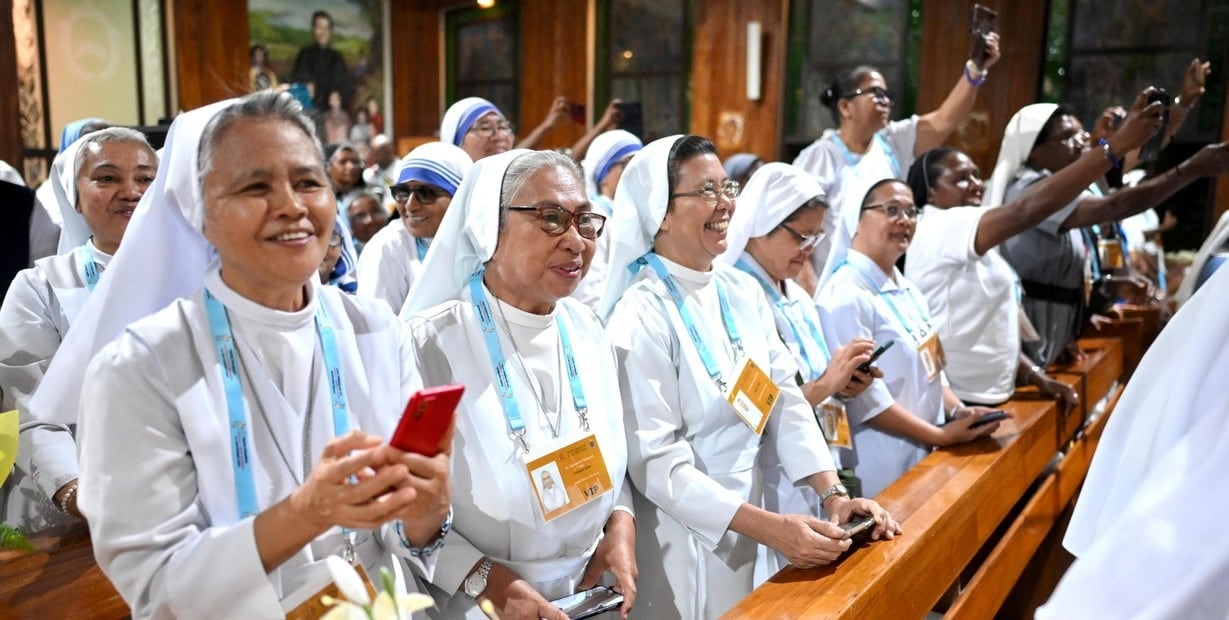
(426, 424)
(589, 603)
(857, 525)
(990, 418)
(866, 366)
(982, 22)
(1149, 151)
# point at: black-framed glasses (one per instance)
(878, 93)
(805, 242)
(896, 211)
(425, 194)
(554, 220)
(488, 130)
(712, 193)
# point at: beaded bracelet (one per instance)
(429, 550)
(1115, 160)
(67, 498)
(969, 68)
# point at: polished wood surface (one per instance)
(58, 580)
(210, 50)
(10, 108)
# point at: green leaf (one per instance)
(14, 538)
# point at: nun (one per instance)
(45, 222)
(426, 182)
(232, 440)
(99, 181)
(542, 396)
(707, 386)
(478, 127)
(603, 165)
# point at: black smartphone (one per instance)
(982, 21)
(589, 603)
(866, 366)
(1149, 151)
(631, 118)
(858, 525)
(577, 112)
(990, 418)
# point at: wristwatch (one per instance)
(836, 489)
(475, 584)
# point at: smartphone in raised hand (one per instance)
(427, 418)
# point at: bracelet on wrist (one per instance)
(428, 550)
(973, 74)
(66, 500)
(1184, 106)
(1115, 160)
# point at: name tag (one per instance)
(568, 477)
(932, 356)
(834, 422)
(753, 394)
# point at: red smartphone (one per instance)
(427, 420)
(577, 112)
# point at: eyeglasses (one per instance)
(878, 93)
(805, 242)
(426, 195)
(335, 240)
(896, 211)
(555, 220)
(488, 130)
(711, 193)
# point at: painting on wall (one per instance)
(331, 56)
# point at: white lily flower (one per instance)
(348, 581)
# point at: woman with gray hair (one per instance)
(232, 440)
(98, 181)
(542, 395)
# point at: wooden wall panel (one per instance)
(10, 109)
(417, 67)
(1220, 192)
(554, 62)
(211, 50)
(719, 106)
(1013, 82)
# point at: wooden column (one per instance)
(10, 110)
(417, 67)
(554, 62)
(1013, 83)
(211, 50)
(720, 109)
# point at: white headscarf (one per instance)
(438, 163)
(10, 174)
(164, 257)
(467, 235)
(605, 150)
(1018, 140)
(640, 207)
(58, 195)
(462, 115)
(772, 194)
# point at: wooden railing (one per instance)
(975, 515)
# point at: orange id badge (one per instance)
(567, 478)
(753, 394)
(834, 422)
(931, 354)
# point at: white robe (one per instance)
(851, 308)
(495, 513)
(157, 483)
(388, 265)
(691, 457)
(41, 304)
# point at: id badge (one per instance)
(931, 354)
(834, 422)
(568, 477)
(314, 606)
(753, 394)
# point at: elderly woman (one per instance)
(232, 440)
(684, 329)
(603, 165)
(954, 260)
(771, 237)
(393, 259)
(898, 420)
(366, 216)
(865, 147)
(1052, 259)
(100, 179)
(478, 127)
(541, 391)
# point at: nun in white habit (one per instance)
(603, 165)
(217, 489)
(515, 243)
(478, 127)
(426, 182)
(1146, 526)
(113, 168)
(679, 322)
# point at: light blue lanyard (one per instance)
(1091, 252)
(422, 248)
(783, 304)
(907, 292)
(512, 411)
(228, 359)
(676, 294)
(853, 160)
(89, 268)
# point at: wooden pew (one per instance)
(58, 580)
(977, 511)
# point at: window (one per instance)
(482, 56)
(643, 53)
(827, 37)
